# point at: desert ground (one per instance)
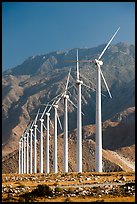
(69, 187)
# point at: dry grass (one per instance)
(63, 179)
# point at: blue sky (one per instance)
(31, 28)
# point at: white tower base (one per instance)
(98, 138)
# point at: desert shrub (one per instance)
(68, 199)
(20, 185)
(21, 199)
(58, 190)
(42, 190)
(71, 190)
(55, 184)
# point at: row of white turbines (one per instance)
(26, 147)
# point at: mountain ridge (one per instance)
(26, 87)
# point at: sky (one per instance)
(33, 28)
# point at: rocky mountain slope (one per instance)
(117, 155)
(38, 79)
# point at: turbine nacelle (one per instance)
(79, 81)
(98, 62)
(41, 119)
(48, 114)
(66, 96)
(55, 106)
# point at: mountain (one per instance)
(38, 79)
(117, 155)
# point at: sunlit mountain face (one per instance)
(29, 86)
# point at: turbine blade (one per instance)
(44, 126)
(105, 82)
(74, 105)
(49, 109)
(51, 106)
(53, 99)
(68, 80)
(44, 111)
(79, 60)
(108, 44)
(77, 67)
(28, 127)
(51, 123)
(60, 97)
(86, 79)
(38, 130)
(59, 121)
(37, 116)
(88, 87)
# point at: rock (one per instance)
(123, 178)
(73, 195)
(80, 189)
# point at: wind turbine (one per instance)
(79, 122)
(22, 170)
(98, 138)
(27, 147)
(24, 142)
(66, 98)
(79, 117)
(31, 134)
(19, 171)
(27, 164)
(35, 143)
(56, 117)
(47, 138)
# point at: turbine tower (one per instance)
(22, 170)
(56, 117)
(66, 133)
(79, 123)
(31, 132)
(19, 171)
(47, 138)
(41, 145)
(47, 143)
(35, 148)
(27, 147)
(66, 97)
(35, 143)
(24, 140)
(55, 168)
(27, 163)
(98, 138)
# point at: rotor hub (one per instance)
(41, 120)
(48, 114)
(79, 81)
(98, 62)
(66, 96)
(55, 105)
